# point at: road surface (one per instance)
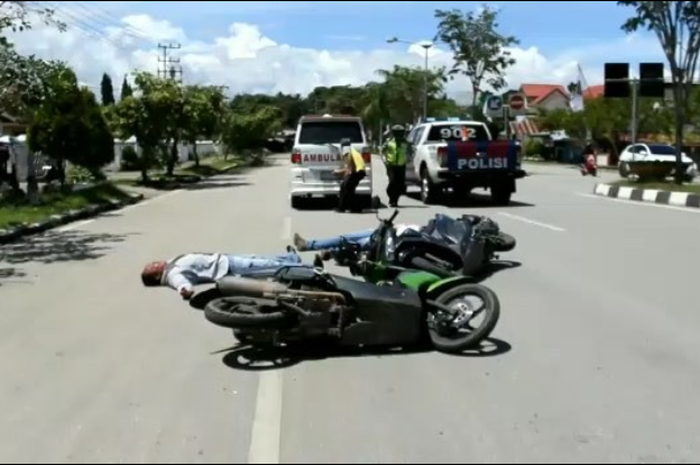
(596, 357)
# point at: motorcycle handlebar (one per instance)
(393, 216)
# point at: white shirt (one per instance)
(187, 271)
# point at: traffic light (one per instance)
(651, 80)
(617, 84)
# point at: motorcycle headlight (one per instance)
(389, 247)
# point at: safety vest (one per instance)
(357, 159)
(395, 153)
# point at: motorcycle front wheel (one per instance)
(503, 242)
(452, 331)
(244, 312)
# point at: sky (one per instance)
(292, 47)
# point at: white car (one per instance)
(316, 154)
(428, 161)
(654, 152)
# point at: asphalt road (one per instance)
(597, 356)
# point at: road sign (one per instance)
(493, 107)
(516, 102)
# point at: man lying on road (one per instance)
(186, 271)
(326, 245)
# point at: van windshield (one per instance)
(330, 132)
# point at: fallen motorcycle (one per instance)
(404, 307)
(445, 247)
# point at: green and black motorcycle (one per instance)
(392, 306)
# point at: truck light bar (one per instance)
(441, 119)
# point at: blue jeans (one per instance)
(361, 238)
(261, 264)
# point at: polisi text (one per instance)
(482, 163)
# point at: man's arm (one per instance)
(179, 282)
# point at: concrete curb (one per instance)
(659, 197)
(17, 232)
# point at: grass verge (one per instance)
(19, 212)
(184, 175)
(661, 186)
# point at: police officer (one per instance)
(353, 172)
(395, 161)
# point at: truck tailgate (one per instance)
(501, 155)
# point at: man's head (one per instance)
(398, 132)
(152, 274)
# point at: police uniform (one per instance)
(354, 173)
(395, 159)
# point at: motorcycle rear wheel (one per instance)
(244, 312)
(455, 341)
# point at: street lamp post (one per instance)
(426, 45)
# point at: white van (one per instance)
(316, 155)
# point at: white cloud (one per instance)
(247, 61)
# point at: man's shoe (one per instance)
(300, 243)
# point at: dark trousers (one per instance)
(347, 199)
(397, 182)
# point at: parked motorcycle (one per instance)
(394, 306)
(590, 166)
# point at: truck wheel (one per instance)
(500, 195)
(429, 192)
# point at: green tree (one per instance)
(126, 90)
(202, 114)
(69, 125)
(404, 89)
(21, 78)
(672, 22)
(247, 133)
(479, 50)
(107, 90)
(165, 100)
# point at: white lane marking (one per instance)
(75, 225)
(267, 422)
(640, 204)
(532, 222)
(286, 229)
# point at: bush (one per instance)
(79, 175)
(130, 159)
(533, 148)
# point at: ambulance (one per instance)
(317, 154)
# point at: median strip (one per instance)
(686, 195)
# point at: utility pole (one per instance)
(169, 68)
(426, 46)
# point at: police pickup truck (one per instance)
(461, 155)
(317, 154)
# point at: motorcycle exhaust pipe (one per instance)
(248, 287)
